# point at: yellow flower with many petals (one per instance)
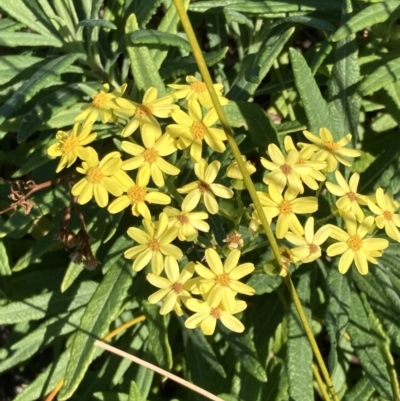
(206, 316)
(286, 207)
(172, 289)
(305, 154)
(102, 105)
(308, 247)
(197, 90)
(150, 160)
(187, 222)
(328, 150)
(234, 172)
(205, 187)
(71, 144)
(99, 180)
(353, 246)
(154, 243)
(136, 194)
(191, 129)
(221, 281)
(144, 115)
(350, 200)
(385, 208)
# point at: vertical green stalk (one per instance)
(198, 55)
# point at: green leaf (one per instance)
(51, 303)
(5, 269)
(264, 283)
(102, 309)
(264, 59)
(308, 21)
(366, 349)
(134, 393)
(373, 14)
(14, 39)
(143, 69)
(337, 311)
(12, 66)
(299, 353)
(39, 80)
(158, 335)
(93, 23)
(362, 391)
(252, 117)
(144, 10)
(157, 38)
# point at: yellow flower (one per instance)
(205, 187)
(328, 150)
(154, 243)
(102, 105)
(191, 129)
(144, 115)
(353, 246)
(234, 241)
(350, 200)
(136, 194)
(233, 171)
(385, 209)
(221, 281)
(71, 144)
(99, 180)
(206, 316)
(187, 222)
(305, 154)
(172, 288)
(150, 160)
(308, 246)
(197, 90)
(286, 207)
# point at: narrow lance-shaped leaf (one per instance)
(134, 393)
(5, 269)
(15, 39)
(92, 23)
(157, 38)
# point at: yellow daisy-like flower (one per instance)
(353, 246)
(349, 199)
(221, 281)
(102, 105)
(172, 289)
(191, 129)
(385, 208)
(154, 243)
(71, 144)
(328, 150)
(205, 187)
(136, 195)
(197, 90)
(308, 247)
(187, 222)
(206, 316)
(305, 154)
(144, 115)
(285, 171)
(99, 180)
(286, 207)
(234, 172)
(150, 160)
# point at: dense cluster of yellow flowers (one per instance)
(210, 292)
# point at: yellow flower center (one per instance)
(203, 187)
(215, 313)
(150, 155)
(137, 193)
(154, 245)
(183, 219)
(388, 215)
(177, 287)
(331, 146)
(70, 144)
(313, 248)
(285, 207)
(94, 175)
(198, 130)
(99, 99)
(144, 110)
(351, 196)
(223, 279)
(286, 169)
(354, 243)
(198, 87)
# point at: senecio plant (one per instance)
(229, 216)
